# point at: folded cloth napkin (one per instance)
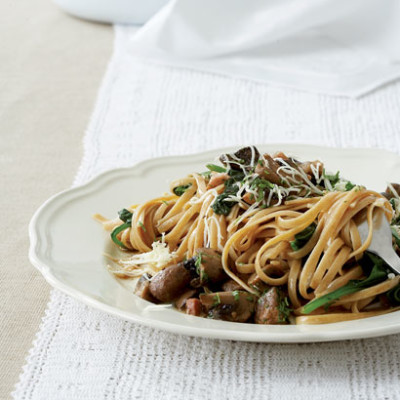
(339, 47)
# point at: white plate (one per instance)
(67, 244)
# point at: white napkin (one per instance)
(339, 47)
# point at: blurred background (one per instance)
(51, 66)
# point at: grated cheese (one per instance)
(157, 258)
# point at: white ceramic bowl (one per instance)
(113, 11)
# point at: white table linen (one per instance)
(341, 47)
(145, 110)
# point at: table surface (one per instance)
(50, 70)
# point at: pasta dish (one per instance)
(260, 238)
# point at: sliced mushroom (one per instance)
(217, 179)
(169, 283)
(269, 170)
(309, 166)
(390, 193)
(237, 306)
(181, 302)
(142, 288)
(267, 309)
(256, 282)
(231, 286)
(209, 266)
(243, 157)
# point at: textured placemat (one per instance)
(142, 111)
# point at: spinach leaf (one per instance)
(393, 296)
(349, 186)
(117, 230)
(236, 176)
(301, 238)
(125, 216)
(221, 205)
(215, 168)
(179, 190)
(377, 275)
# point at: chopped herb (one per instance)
(260, 162)
(217, 300)
(179, 190)
(198, 263)
(140, 223)
(215, 168)
(283, 307)
(377, 275)
(250, 298)
(260, 183)
(203, 276)
(333, 179)
(349, 186)
(236, 295)
(301, 238)
(165, 202)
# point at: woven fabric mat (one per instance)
(145, 110)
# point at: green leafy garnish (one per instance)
(216, 300)
(125, 216)
(301, 238)
(215, 168)
(179, 190)
(236, 295)
(377, 275)
(349, 186)
(198, 263)
(203, 276)
(283, 307)
(222, 205)
(333, 179)
(236, 176)
(260, 183)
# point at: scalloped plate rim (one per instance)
(190, 329)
